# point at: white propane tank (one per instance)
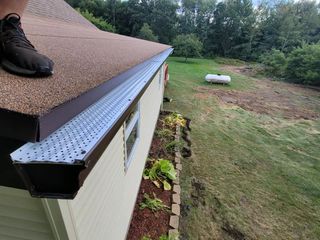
(217, 78)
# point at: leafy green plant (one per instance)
(164, 133)
(175, 119)
(154, 204)
(163, 237)
(166, 237)
(171, 146)
(146, 238)
(161, 172)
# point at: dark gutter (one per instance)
(18, 126)
(8, 174)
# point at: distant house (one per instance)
(73, 146)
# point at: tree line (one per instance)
(276, 33)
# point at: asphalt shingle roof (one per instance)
(84, 58)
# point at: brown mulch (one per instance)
(156, 151)
(145, 222)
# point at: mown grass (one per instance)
(261, 174)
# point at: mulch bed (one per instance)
(145, 222)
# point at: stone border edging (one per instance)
(176, 201)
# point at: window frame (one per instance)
(128, 129)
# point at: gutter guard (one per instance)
(57, 166)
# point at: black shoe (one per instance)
(18, 55)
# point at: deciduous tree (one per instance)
(187, 45)
(147, 34)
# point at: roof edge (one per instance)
(61, 180)
(53, 120)
(32, 128)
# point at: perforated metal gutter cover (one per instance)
(57, 166)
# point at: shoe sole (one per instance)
(10, 67)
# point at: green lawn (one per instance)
(251, 176)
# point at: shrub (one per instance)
(304, 65)
(275, 62)
(98, 22)
(146, 33)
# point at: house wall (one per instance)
(103, 206)
(22, 217)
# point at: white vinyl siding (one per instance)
(22, 217)
(94, 210)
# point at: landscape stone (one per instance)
(177, 189)
(176, 198)
(179, 167)
(176, 181)
(176, 137)
(174, 222)
(175, 208)
(179, 133)
(176, 149)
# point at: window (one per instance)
(131, 135)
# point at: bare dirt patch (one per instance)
(272, 98)
(245, 69)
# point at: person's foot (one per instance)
(18, 55)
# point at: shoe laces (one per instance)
(11, 32)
